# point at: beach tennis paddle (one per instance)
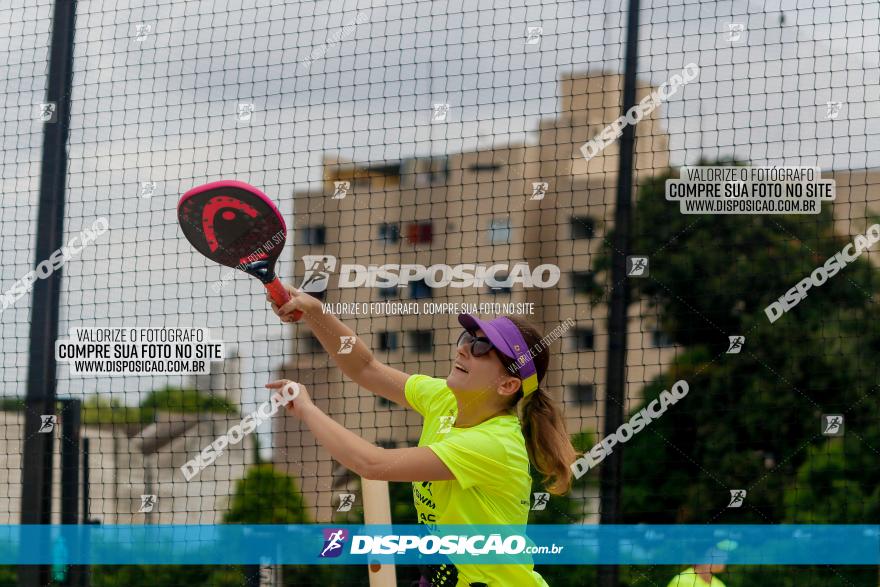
(236, 225)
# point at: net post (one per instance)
(377, 510)
(36, 490)
(70, 450)
(615, 390)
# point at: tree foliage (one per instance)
(753, 420)
(266, 496)
(174, 399)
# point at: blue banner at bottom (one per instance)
(311, 544)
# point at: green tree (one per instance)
(752, 420)
(263, 496)
(266, 496)
(8, 576)
(825, 490)
(749, 417)
(166, 576)
(173, 399)
(101, 409)
(571, 508)
(11, 404)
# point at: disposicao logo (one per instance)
(318, 269)
(333, 542)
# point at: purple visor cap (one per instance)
(510, 342)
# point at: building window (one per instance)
(388, 341)
(311, 343)
(583, 282)
(582, 227)
(582, 393)
(660, 338)
(389, 232)
(500, 289)
(419, 289)
(478, 167)
(389, 170)
(388, 293)
(318, 294)
(583, 339)
(421, 341)
(440, 171)
(341, 476)
(433, 171)
(499, 231)
(420, 232)
(314, 235)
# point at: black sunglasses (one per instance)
(479, 345)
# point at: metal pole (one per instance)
(620, 295)
(36, 491)
(70, 432)
(251, 575)
(86, 515)
(85, 482)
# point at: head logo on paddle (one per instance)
(236, 225)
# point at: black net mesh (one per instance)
(471, 143)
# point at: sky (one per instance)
(358, 79)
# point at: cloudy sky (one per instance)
(157, 89)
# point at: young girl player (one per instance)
(472, 462)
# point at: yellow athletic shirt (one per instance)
(492, 482)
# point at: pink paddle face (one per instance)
(234, 224)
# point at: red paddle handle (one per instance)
(281, 297)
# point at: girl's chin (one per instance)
(455, 380)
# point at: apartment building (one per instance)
(128, 460)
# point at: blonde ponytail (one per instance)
(547, 441)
